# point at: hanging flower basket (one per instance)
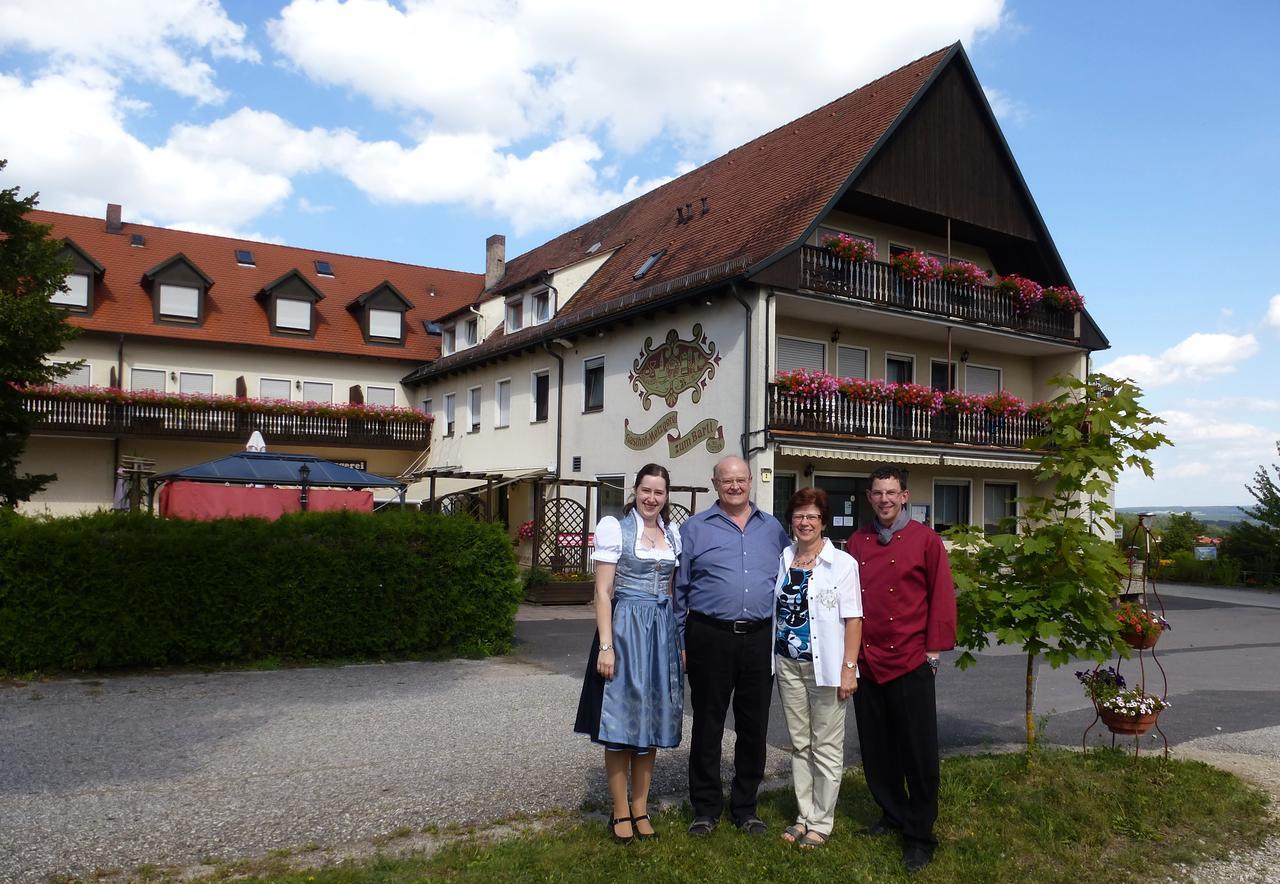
(1128, 725)
(1139, 628)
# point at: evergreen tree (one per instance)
(1256, 544)
(31, 329)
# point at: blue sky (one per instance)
(1148, 133)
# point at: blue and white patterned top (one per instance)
(792, 638)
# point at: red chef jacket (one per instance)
(908, 599)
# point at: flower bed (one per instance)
(211, 402)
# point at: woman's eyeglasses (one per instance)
(806, 517)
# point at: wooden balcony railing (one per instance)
(835, 415)
(84, 418)
(878, 283)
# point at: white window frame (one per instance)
(306, 398)
(545, 297)
(281, 325)
(948, 481)
(77, 295)
(778, 349)
(178, 291)
(471, 330)
(586, 363)
(866, 360)
(425, 406)
(368, 392)
(448, 340)
(183, 375)
(999, 374)
(902, 357)
(288, 386)
(450, 412)
(1017, 492)
(475, 400)
(533, 395)
(514, 304)
(394, 314)
(825, 230)
(500, 419)
(612, 479)
(164, 378)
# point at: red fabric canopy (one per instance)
(201, 500)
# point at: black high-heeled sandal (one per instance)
(613, 830)
(652, 836)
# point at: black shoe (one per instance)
(641, 836)
(752, 825)
(876, 829)
(702, 826)
(916, 856)
(613, 830)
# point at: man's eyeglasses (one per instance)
(733, 483)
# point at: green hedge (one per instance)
(116, 590)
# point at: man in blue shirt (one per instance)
(724, 608)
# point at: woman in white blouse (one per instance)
(633, 692)
(817, 632)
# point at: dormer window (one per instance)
(179, 290)
(471, 332)
(541, 307)
(515, 314)
(80, 282)
(290, 302)
(448, 340)
(381, 314)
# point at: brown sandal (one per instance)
(794, 832)
(812, 839)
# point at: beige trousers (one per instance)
(815, 721)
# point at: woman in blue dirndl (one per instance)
(633, 693)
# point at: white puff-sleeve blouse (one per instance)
(609, 543)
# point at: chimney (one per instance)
(114, 224)
(495, 260)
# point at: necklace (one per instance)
(804, 562)
(650, 542)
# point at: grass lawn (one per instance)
(1063, 816)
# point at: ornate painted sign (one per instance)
(708, 431)
(674, 366)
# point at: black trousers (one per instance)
(723, 665)
(898, 734)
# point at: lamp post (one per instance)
(304, 473)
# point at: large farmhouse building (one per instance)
(706, 317)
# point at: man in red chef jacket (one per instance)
(909, 611)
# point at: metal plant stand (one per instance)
(1139, 589)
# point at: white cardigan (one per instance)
(835, 595)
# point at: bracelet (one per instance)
(604, 648)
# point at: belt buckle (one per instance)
(740, 627)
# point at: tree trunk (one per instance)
(1031, 701)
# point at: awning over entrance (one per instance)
(913, 458)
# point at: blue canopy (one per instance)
(268, 468)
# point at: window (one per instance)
(448, 340)
(472, 331)
(899, 369)
(137, 240)
(425, 408)
(784, 485)
(939, 377)
(794, 353)
(275, 388)
(541, 384)
(79, 377)
(244, 258)
(324, 268)
(195, 382)
(147, 379)
(179, 302)
(502, 396)
(541, 307)
(980, 379)
(384, 323)
(895, 250)
(379, 395)
(448, 414)
(317, 391)
(515, 314)
(593, 384)
(611, 495)
(851, 362)
(473, 408)
(999, 501)
(77, 294)
(293, 315)
(648, 263)
(950, 503)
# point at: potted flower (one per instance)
(806, 384)
(1123, 710)
(1026, 293)
(1064, 298)
(917, 266)
(965, 273)
(916, 396)
(850, 248)
(1139, 628)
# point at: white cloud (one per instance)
(1195, 358)
(1273, 312)
(155, 40)
(306, 207)
(1006, 108)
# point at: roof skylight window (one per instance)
(648, 263)
(245, 258)
(324, 268)
(594, 248)
(137, 239)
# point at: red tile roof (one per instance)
(233, 314)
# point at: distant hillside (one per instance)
(1213, 515)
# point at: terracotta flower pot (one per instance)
(1128, 724)
(1139, 640)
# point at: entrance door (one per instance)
(849, 506)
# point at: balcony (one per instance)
(81, 417)
(877, 284)
(836, 416)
